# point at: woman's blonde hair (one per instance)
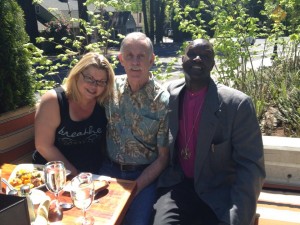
(98, 61)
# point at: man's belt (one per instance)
(129, 167)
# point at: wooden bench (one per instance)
(278, 207)
(256, 222)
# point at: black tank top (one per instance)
(81, 142)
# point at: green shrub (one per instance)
(15, 69)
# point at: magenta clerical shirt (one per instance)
(190, 114)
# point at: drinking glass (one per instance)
(55, 180)
(82, 194)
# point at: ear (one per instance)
(120, 58)
(214, 63)
(152, 59)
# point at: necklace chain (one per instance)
(186, 152)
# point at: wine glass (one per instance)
(55, 180)
(82, 194)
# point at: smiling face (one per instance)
(136, 57)
(197, 62)
(90, 90)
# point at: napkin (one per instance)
(42, 212)
(100, 183)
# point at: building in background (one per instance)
(122, 22)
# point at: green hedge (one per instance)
(16, 83)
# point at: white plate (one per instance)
(30, 167)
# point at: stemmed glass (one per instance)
(55, 180)
(82, 194)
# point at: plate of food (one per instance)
(28, 174)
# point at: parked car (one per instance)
(249, 40)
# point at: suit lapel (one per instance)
(208, 124)
(175, 92)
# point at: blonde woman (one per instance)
(70, 122)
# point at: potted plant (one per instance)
(17, 97)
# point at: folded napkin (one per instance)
(100, 183)
(42, 212)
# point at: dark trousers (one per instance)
(141, 208)
(181, 205)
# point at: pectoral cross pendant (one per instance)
(186, 153)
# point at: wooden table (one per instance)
(109, 210)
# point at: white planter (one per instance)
(282, 162)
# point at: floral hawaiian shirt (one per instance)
(137, 122)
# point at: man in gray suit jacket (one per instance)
(216, 169)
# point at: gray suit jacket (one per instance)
(229, 164)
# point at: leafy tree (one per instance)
(232, 23)
(151, 19)
(154, 18)
(146, 26)
(160, 8)
(82, 10)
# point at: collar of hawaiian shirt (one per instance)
(127, 88)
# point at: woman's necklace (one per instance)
(186, 152)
